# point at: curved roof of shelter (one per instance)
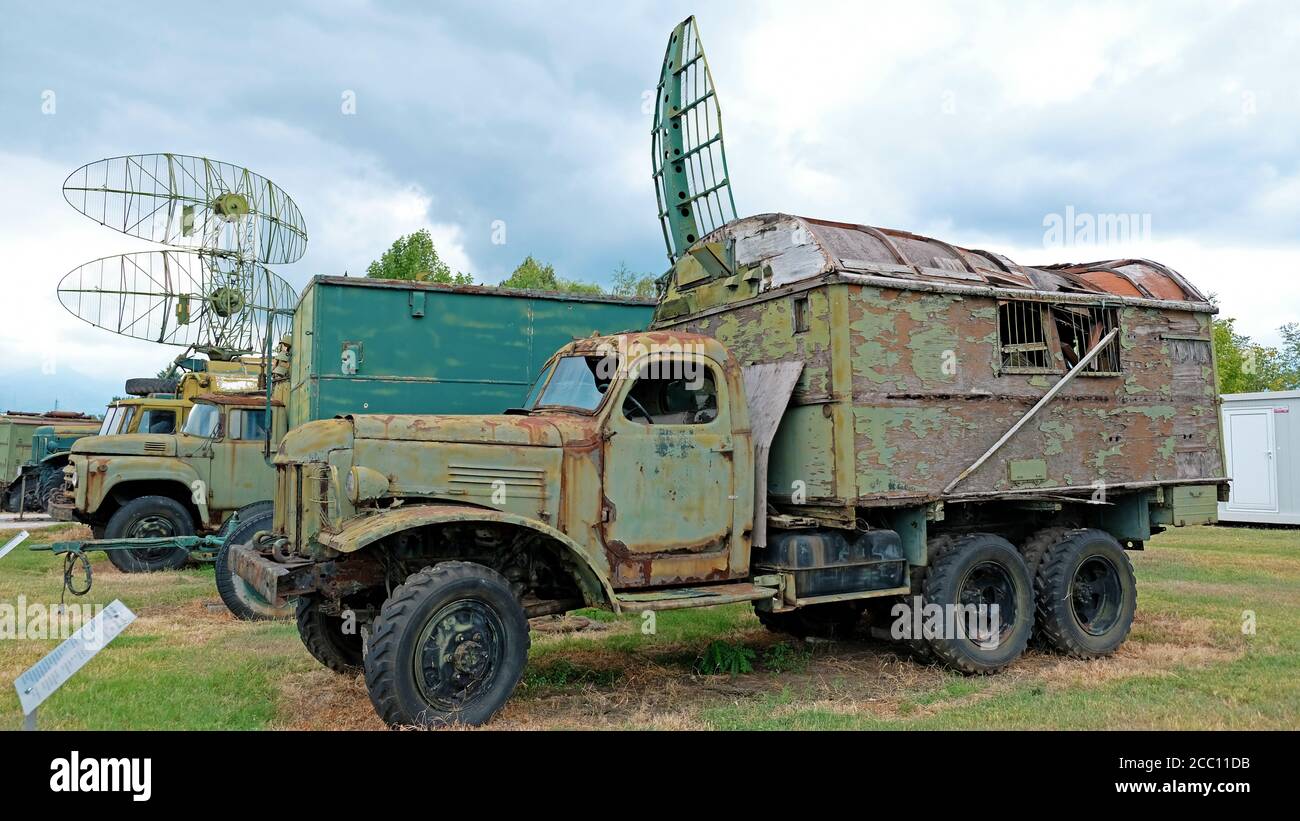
(781, 241)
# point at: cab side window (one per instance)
(673, 392)
(248, 424)
(158, 421)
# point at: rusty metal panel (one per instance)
(767, 393)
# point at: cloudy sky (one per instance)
(973, 122)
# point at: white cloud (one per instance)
(964, 121)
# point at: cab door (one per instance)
(240, 475)
(669, 485)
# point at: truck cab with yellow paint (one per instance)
(166, 484)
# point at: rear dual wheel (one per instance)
(1085, 594)
(985, 598)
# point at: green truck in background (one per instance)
(154, 405)
(27, 440)
(356, 346)
(41, 477)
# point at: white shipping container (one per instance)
(1261, 442)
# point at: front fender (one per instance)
(367, 530)
(106, 473)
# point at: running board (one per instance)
(683, 597)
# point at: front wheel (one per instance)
(448, 647)
(149, 517)
(238, 595)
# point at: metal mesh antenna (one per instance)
(191, 202)
(690, 166)
(180, 298)
(212, 290)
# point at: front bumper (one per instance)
(277, 582)
(63, 509)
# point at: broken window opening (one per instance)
(1080, 328)
(801, 314)
(673, 393)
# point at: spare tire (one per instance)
(143, 386)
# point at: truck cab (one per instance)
(625, 481)
(160, 485)
(147, 414)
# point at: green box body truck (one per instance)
(26, 439)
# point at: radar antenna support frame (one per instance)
(692, 184)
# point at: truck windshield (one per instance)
(202, 420)
(577, 382)
(109, 424)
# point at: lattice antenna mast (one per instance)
(692, 184)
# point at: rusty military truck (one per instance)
(828, 420)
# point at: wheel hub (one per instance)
(986, 586)
(152, 527)
(470, 658)
(1095, 594)
(459, 653)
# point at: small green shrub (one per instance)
(786, 658)
(724, 657)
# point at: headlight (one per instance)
(70, 476)
(365, 484)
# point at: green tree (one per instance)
(1290, 354)
(413, 257)
(629, 283)
(1246, 366)
(537, 276)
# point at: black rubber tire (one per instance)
(943, 583)
(918, 647)
(145, 385)
(129, 515)
(11, 500)
(51, 485)
(239, 597)
(1037, 545)
(836, 620)
(1055, 588)
(323, 636)
(1033, 549)
(390, 657)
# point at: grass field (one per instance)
(186, 664)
